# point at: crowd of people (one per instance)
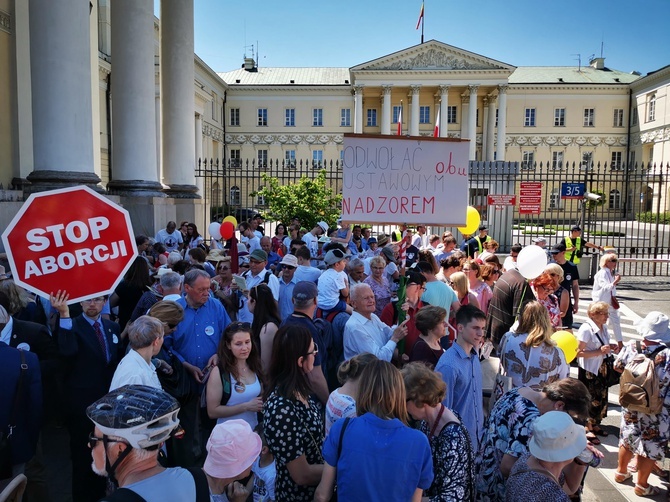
(325, 363)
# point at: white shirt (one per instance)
(587, 333)
(133, 369)
(172, 298)
(368, 335)
(312, 243)
(243, 315)
(329, 286)
(171, 241)
(509, 264)
(603, 286)
(253, 244)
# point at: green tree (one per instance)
(311, 200)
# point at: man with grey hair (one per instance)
(356, 271)
(364, 332)
(146, 339)
(194, 342)
(173, 258)
(168, 288)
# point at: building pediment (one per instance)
(433, 55)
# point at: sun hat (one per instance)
(242, 250)
(324, 226)
(231, 449)
(556, 437)
(537, 240)
(305, 290)
(215, 255)
(382, 240)
(259, 255)
(372, 240)
(388, 252)
(334, 256)
(289, 260)
(654, 328)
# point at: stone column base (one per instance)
(135, 188)
(41, 181)
(149, 214)
(182, 191)
(193, 211)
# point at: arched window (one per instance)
(235, 197)
(615, 199)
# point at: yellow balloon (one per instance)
(568, 343)
(231, 219)
(472, 220)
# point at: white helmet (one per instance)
(144, 416)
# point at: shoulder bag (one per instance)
(613, 376)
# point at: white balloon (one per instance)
(531, 261)
(215, 230)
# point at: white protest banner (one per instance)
(396, 179)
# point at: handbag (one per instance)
(615, 303)
(6, 463)
(612, 376)
(178, 383)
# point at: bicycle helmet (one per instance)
(143, 416)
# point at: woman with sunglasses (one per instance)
(476, 285)
(222, 286)
(604, 290)
(235, 384)
(266, 322)
(543, 287)
(292, 419)
(556, 273)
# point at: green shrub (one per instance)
(650, 217)
(538, 232)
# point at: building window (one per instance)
(529, 120)
(616, 163)
(235, 158)
(317, 159)
(235, 196)
(215, 114)
(345, 117)
(262, 116)
(216, 194)
(262, 156)
(289, 117)
(559, 117)
(496, 117)
(589, 117)
(477, 118)
(451, 114)
(372, 117)
(651, 107)
(631, 161)
(618, 117)
(396, 114)
(615, 199)
(528, 161)
(261, 199)
(234, 116)
(555, 201)
(557, 160)
(290, 159)
(633, 118)
(424, 115)
(587, 160)
(317, 117)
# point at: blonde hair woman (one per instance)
(459, 281)
(366, 441)
(555, 271)
(529, 356)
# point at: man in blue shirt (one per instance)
(461, 370)
(194, 342)
(286, 283)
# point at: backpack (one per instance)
(639, 386)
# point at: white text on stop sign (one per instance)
(75, 232)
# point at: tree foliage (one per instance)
(311, 200)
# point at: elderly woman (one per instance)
(562, 295)
(604, 290)
(594, 347)
(509, 427)
(379, 284)
(476, 284)
(453, 458)
(539, 475)
(643, 434)
(530, 357)
(431, 321)
(543, 287)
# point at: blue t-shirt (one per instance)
(380, 460)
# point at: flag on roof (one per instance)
(418, 23)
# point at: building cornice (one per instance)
(569, 87)
(566, 140)
(289, 88)
(285, 139)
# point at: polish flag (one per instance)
(418, 23)
(399, 132)
(436, 131)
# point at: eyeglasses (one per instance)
(244, 265)
(288, 267)
(423, 288)
(613, 260)
(93, 440)
(315, 351)
(377, 268)
(94, 300)
(466, 269)
(256, 262)
(223, 268)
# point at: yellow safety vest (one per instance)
(480, 243)
(573, 254)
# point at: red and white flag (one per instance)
(399, 132)
(418, 23)
(436, 131)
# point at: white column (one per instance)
(177, 97)
(157, 121)
(472, 120)
(465, 106)
(133, 103)
(485, 102)
(444, 111)
(198, 152)
(414, 121)
(358, 109)
(60, 66)
(490, 129)
(502, 121)
(386, 109)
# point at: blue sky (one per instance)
(345, 33)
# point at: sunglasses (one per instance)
(289, 267)
(238, 325)
(315, 351)
(613, 260)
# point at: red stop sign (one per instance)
(71, 239)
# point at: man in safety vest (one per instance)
(475, 246)
(575, 244)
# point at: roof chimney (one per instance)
(250, 64)
(597, 63)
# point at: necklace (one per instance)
(437, 420)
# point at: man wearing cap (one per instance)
(311, 240)
(541, 242)
(255, 276)
(287, 281)
(570, 281)
(473, 247)
(304, 306)
(575, 244)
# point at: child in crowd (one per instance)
(334, 284)
(264, 471)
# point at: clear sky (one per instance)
(344, 33)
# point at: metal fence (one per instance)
(548, 197)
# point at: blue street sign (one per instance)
(573, 190)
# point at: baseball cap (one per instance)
(231, 449)
(483, 227)
(576, 228)
(305, 290)
(558, 248)
(289, 260)
(537, 240)
(333, 256)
